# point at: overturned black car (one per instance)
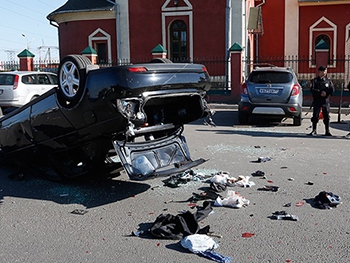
(129, 115)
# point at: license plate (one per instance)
(268, 91)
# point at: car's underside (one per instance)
(113, 118)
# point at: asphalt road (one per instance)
(39, 224)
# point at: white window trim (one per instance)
(347, 32)
(313, 29)
(177, 8)
(107, 37)
(166, 42)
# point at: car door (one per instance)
(44, 83)
(41, 83)
(27, 89)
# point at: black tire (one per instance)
(34, 97)
(243, 118)
(160, 60)
(71, 79)
(297, 120)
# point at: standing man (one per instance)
(321, 88)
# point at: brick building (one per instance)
(310, 31)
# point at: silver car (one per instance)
(19, 87)
(271, 92)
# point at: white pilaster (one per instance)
(291, 30)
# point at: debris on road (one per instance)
(272, 188)
(137, 233)
(222, 179)
(327, 200)
(301, 203)
(233, 200)
(264, 159)
(204, 246)
(175, 181)
(247, 234)
(283, 215)
(258, 173)
(168, 226)
(205, 195)
(79, 212)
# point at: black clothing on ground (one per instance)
(177, 227)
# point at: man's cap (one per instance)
(322, 68)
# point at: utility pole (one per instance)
(10, 55)
(47, 53)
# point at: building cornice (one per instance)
(320, 2)
(82, 16)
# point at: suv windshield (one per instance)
(270, 77)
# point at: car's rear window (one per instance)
(270, 77)
(7, 79)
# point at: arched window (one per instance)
(178, 41)
(323, 41)
(323, 37)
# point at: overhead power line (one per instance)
(26, 7)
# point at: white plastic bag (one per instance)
(243, 181)
(222, 178)
(233, 199)
(199, 243)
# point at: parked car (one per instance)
(136, 111)
(19, 87)
(271, 92)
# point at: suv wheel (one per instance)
(297, 120)
(243, 118)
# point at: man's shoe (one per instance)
(312, 133)
(328, 134)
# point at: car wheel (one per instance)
(243, 118)
(71, 79)
(297, 120)
(34, 97)
(160, 60)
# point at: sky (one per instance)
(23, 24)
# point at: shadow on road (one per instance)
(88, 193)
(229, 118)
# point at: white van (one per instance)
(19, 87)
